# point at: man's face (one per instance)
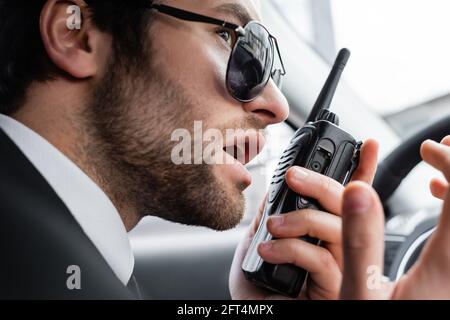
(182, 80)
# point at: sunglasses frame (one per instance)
(238, 31)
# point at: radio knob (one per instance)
(329, 116)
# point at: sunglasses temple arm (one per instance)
(191, 16)
(279, 54)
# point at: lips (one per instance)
(233, 152)
(243, 146)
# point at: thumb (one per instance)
(363, 242)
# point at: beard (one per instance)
(131, 115)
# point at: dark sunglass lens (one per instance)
(250, 64)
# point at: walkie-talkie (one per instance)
(320, 146)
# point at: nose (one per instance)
(270, 106)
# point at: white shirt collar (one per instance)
(89, 205)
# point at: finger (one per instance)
(439, 188)
(367, 163)
(318, 261)
(363, 242)
(437, 155)
(311, 184)
(316, 224)
(446, 140)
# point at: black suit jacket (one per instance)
(40, 239)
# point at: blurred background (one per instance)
(401, 63)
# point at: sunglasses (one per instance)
(251, 63)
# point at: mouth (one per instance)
(243, 147)
(239, 149)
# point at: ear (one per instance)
(78, 49)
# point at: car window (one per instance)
(401, 70)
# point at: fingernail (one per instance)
(277, 220)
(357, 201)
(299, 173)
(429, 141)
(266, 246)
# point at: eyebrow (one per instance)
(236, 10)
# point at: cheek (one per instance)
(197, 66)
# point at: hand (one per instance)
(363, 241)
(323, 263)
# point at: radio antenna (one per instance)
(326, 95)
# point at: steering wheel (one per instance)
(391, 172)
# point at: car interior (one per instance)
(397, 108)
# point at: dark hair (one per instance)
(23, 58)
